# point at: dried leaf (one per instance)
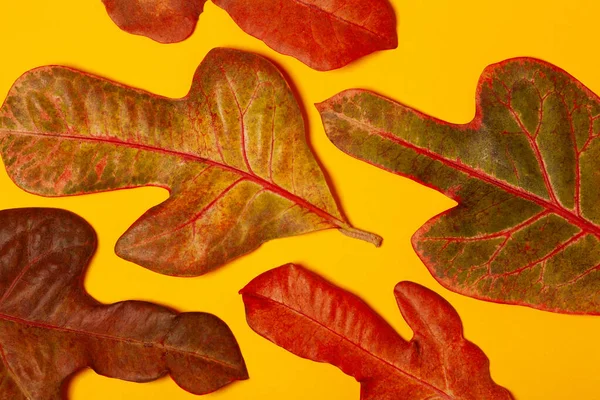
(51, 328)
(323, 34)
(301, 312)
(524, 173)
(233, 154)
(166, 21)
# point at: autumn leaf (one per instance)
(323, 34)
(163, 21)
(50, 328)
(233, 155)
(524, 174)
(301, 312)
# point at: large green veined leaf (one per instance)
(233, 155)
(524, 172)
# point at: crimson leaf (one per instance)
(301, 312)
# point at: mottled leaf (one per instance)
(323, 34)
(524, 172)
(50, 328)
(233, 155)
(301, 312)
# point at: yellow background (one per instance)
(444, 46)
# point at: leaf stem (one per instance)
(362, 235)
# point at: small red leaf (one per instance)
(323, 34)
(51, 328)
(301, 312)
(166, 21)
(524, 172)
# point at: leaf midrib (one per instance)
(358, 346)
(574, 219)
(338, 18)
(49, 326)
(253, 178)
(141, 343)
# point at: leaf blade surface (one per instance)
(323, 34)
(308, 316)
(526, 228)
(162, 21)
(233, 155)
(50, 328)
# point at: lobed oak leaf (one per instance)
(524, 173)
(323, 34)
(50, 328)
(232, 153)
(310, 317)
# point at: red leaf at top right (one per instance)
(524, 172)
(323, 34)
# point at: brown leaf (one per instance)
(301, 312)
(323, 34)
(50, 328)
(524, 172)
(233, 155)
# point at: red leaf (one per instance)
(301, 312)
(524, 172)
(164, 21)
(323, 34)
(51, 328)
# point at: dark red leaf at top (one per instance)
(232, 153)
(323, 34)
(166, 21)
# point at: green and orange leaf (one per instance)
(50, 328)
(524, 172)
(232, 153)
(163, 21)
